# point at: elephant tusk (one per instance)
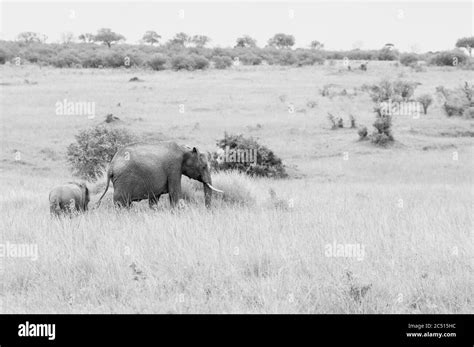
(214, 189)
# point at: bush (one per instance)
(65, 59)
(287, 58)
(93, 60)
(469, 112)
(388, 54)
(235, 147)
(456, 101)
(189, 62)
(381, 92)
(94, 149)
(182, 62)
(158, 62)
(308, 58)
(200, 62)
(404, 89)
(382, 134)
(453, 110)
(449, 58)
(4, 56)
(113, 59)
(380, 139)
(222, 62)
(332, 120)
(249, 58)
(387, 90)
(409, 59)
(363, 132)
(425, 100)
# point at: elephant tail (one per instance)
(109, 176)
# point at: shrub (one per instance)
(234, 147)
(380, 139)
(388, 54)
(189, 62)
(382, 134)
(113, 59)
(425, 100)
(250, 58)
(222, 62)
(308, 58)
(93, 60)
(287, 58)
(4, 56)
(404, 89)
(387, 90)
(453, 110)
(363, 132)
(182, 62)
(449, 58)
(340, 123)
(456, 101)
(158, 62)
(200, 62)
(409, 59)
(94, 149)
(469, 112)
(65, 59)
(136, 58)
(381, 92)
(332, 120)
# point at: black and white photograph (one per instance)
(236, 157)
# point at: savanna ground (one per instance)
(408, 205)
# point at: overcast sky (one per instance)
(413, 26)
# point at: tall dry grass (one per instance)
(246, 255)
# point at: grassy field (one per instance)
(408, 208)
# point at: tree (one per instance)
(151, 37)
(29, 37)
(316, 45)
(282, 41)
(108, 37)
(200, 40)
(180, 39)
(246, 42)
(87, 37)
(67, 37)
(467, 43)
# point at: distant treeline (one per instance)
(93, 55)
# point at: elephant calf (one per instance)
(69, 197)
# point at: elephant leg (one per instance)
(121, 200)
(174, 190)
(153, 200)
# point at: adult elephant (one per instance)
(146, 171)
(69, 197)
